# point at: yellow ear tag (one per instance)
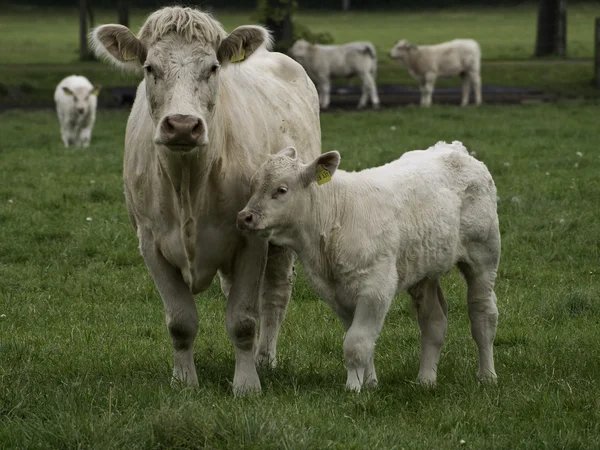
(127, 56)
(323, 175)
(96, 92)
(68, 93)
(238, 58)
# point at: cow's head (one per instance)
(400, 50)
(81, 96)
(281, 191)
(300, 50)
(180, 51)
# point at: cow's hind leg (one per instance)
(480, 274)
(476, 82)
(180, 311)
(432, 311)
(276, 293)
(466, 88)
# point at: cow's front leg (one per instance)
(242, 311)
(180, 311)
(276, 293)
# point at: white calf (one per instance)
(322, 62)
(426, 63)
(76, 99)
(365, 236)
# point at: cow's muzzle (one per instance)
(247, 220)
(181, 132)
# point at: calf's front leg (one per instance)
(180, 311)
(242, 311)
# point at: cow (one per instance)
(211, 108)
(371, 234)
(322, 62)
(76, 100)
(425, 63)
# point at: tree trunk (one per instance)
(283, 32)
(597, 61)
(83, 30)
(552, 28)
(123, 12)
(346, 5)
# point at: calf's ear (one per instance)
(118, 45)
(96, 89)
(67, 91)
(321, 169)
(290, 152)
(242, 42)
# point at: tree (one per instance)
(83, 30)
(552, 28)
(123, 12)
(277, 16)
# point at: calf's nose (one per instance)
(245, 220)
(80, 110)
(181, 130)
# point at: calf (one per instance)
(76, 99)
(426, 63)
(322, 62)
(365, 236)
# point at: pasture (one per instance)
(85, 357)
(39, 46)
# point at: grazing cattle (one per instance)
(371, 234)
(426, 63)
(322, 62)
(199, 128)
(76, 99)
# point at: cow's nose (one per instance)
(80, 110)
(245, 220)
(181, 130)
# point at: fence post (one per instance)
(597, 59)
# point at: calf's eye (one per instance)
(148, 69)
(282, 190)
(214, 68)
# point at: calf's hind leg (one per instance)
(432, 311)
(480, 275)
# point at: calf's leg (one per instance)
(427, 89)
(432, 311)
(276, 293)
(476, 81)
(466, 88)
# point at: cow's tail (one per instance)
(370, 50)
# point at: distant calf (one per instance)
(76, 100)
(426, 63)
(365, 236)
(322, 62)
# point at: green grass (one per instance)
(85, 357)
(39, 46)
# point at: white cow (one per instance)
(76, 99)
(425, 63)
(365, 236)
(199, 128)
(322, 62)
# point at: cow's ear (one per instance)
(118, 45)
(96, 89)
(242, 42)
(290, 152)
(67, 91)
(321, 169)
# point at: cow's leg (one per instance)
(359, 344)
(85, 135)
(242, 311)
(480, 274)
(431, 310)
(427, 89)
(370, 376)
(373, 91)
(180, 311)
(365, 91)
(323, 88)
(276, 293)
(476, 82)
(466, 88)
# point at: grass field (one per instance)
(39, 46)
(85, 357)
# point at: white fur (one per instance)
(322, 62)
(183, 204)
(76, 111)
(425, 63)
(363, 237)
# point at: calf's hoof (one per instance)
(426, 382)
(246, 389)
(265, 360)
(487, 378)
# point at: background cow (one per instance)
(425, 63)
(76, 99)
(198, 130)
(322, 62)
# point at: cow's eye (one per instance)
(282, 190)
(148, 69)
(214, 68)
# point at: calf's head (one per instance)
(300, 50)
(400, 50)
(81, 97)
(281, 191)
(180, 52)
